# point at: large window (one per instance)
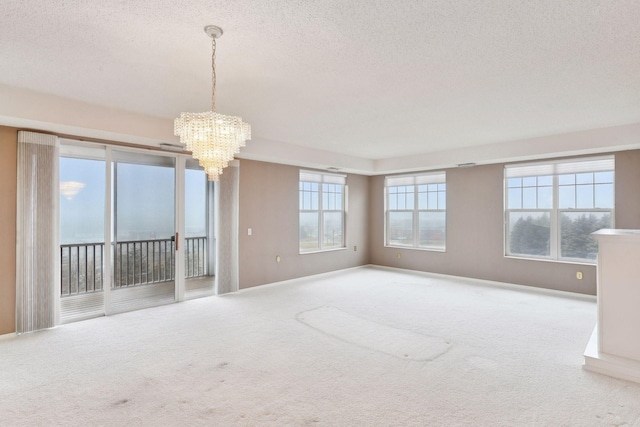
(322, 211)
(416, 211)
(552, 208)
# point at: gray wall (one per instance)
(269, 206)
(475, 245)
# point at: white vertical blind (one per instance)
(227, 279)
(37, 237)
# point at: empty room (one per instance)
(321, 213)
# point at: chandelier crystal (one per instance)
(213, 138)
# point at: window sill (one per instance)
(319, 251)
(413, 248)
(557, 261)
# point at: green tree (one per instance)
(530, 236)
(575, 236)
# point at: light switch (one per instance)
(249, 231)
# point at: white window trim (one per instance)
(324, 178)
(437, 177)
(554, 168)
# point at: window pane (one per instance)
(401, 201)
(575, 233)
(392, 190)
(422, 200)
(433, 187)
(339, 200)
(567, 196)
(433, 201)
(432, 229)
(569, 179)
(400, 228)
(584, 178)
(514, 182)
(545, 180)
(410, 200)
(515, 198)
(195, 206)
(314, 200)
(442, 187)
(529, 181)
(393, 202)
(604, 177)
(308, 231)
(529, 233)
(307, 200)
(81, 200)
(529, 198)
(545, 197)
(145, 201)
(442, 200)
(326, 204)
(584, 197)
(604, 196)
(332, 229)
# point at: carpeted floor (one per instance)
(362, 347)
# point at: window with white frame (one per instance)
(551, 208)
(322, 201)
(415, 211)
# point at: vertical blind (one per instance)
(227, 276)
(37, 237)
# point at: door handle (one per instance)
(176, 241)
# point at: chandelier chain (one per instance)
(213, 78)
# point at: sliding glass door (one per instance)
(82, 232)
(137, 230)
(143, 234)
(199, 243)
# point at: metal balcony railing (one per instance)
(81, 268)
(135, 263)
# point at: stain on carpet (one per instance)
(401, 343)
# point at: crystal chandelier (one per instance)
(212, 138)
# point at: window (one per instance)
(416, 211)
(552, 208)
(322, 211)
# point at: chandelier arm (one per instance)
(213, 79)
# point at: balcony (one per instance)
(136, 263)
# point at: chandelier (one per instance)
(212, 138)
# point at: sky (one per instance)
(145, 201)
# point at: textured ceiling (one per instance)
(374, 79)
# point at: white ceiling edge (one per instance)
(297, 155)
(39, 111)
(593, 141)
(28, 109)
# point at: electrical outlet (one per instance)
(398, 255)
(579, 275)
(355, 248)
(278, 258)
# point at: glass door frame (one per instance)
(109, 215)
(179, 214)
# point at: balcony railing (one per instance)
(135, 263)
(81, 268)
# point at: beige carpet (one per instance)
(362, 347)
